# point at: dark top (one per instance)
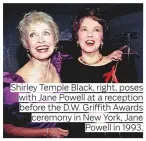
(73, 71)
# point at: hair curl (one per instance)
(93, 13)
(34, 17)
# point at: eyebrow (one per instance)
(35, 30)
(30, 30)
(97, 27)
(47, 29)
(43, 29)
(93, 27)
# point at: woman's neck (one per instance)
(91, 57)
(41, 66)
(38, 71)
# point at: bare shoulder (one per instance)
(23, 71)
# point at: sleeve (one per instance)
(11, 114)
(58, 59)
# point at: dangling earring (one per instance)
(28, 53)
(78, 45)
(56, 48)
(101, 46)
(27, 50)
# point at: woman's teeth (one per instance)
(41, 50)
(90, 42)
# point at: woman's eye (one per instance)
(97, 30)
(46, 33)
(83, 29)
(32, 34)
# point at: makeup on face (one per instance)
(90, 35)
(40, 40)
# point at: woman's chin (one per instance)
(42, 58)
(89, 51)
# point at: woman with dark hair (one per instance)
(90, 30)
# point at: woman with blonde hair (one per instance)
(39, 36)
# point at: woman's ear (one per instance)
(24, 44)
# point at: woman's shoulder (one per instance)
(12, 78)
(68, 66)
(8, 96)
(69, 63)
(58, 58)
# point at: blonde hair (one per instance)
(34, 17)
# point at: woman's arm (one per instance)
(24, 132)
(115, 55)
(34, 132)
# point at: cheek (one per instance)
(50, 39)
(81, 37)
(31, 41)
(52, 42)
(99, 37)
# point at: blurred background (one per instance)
(126, 28)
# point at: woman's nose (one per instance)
(41, 38)
(90, 34)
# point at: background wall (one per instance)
(123, 18)
(132, 23)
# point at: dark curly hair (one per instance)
(95, 14)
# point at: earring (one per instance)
(101, 46)
(56, 48)
(28, 53)
(78, 45)
(27, 50)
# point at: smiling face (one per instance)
(39, 40)
(90, 35)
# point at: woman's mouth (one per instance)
(42, 49)
(90, 42)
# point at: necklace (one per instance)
(86, 63)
